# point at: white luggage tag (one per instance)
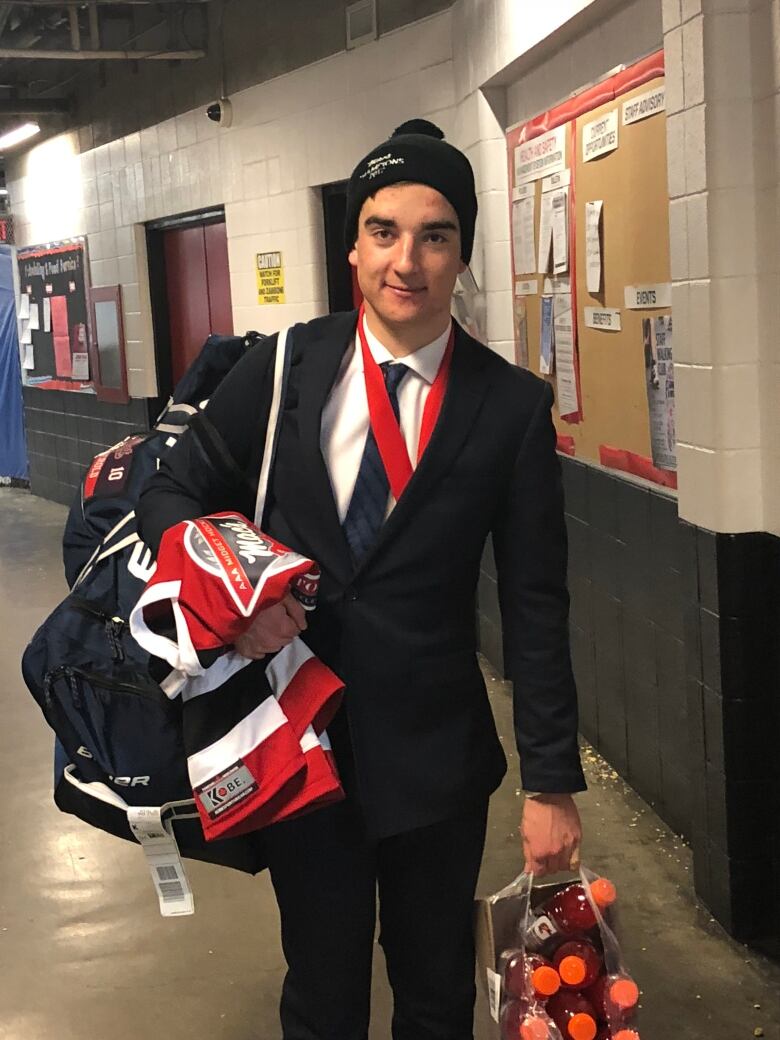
(163, 859)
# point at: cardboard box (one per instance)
(495, 930)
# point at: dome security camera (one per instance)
(220, 112)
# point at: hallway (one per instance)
(85, 952)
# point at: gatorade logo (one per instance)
(542, 929)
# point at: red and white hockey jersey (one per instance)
(254, 731)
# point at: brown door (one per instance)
(198, 290)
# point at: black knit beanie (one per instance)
(416, 152)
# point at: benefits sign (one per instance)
(270, 278)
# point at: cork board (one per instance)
(635, 251)
(631, 182)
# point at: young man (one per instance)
(404, 443)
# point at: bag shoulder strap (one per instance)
(281, 375)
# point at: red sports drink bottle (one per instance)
(573, 1015)
(518, 1023)
(578, 963)
(568, 913)
(615, 998)
(544, 979)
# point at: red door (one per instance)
(198, 289)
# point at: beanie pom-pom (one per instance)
(419, 126)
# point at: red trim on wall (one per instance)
(566, 445)
(637, 465)
(642, 72)
(66, 247)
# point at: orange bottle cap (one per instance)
(546, 980)
(572, 970)
(626, 1034)
(534, 1029)
(604, 892)
(624, 993)
(582, 1027)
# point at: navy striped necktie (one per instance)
(368, 505)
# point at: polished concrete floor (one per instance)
(85, 954)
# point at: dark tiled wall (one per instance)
(626, 579)
(66, 430)
(732, 627)
(675, 635)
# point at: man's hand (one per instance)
(272, 629)
(551, 832)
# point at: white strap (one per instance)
(181, 810)
(270, 433)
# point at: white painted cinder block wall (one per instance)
(723, 79)
(267, 171)
(723, 107)
(289, 136)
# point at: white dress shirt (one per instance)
(345, 419)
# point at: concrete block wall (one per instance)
(628, 33)
(265, 171)
(722, 61)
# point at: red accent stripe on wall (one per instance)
(637, 465)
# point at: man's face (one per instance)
(407, 254)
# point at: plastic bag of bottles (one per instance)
(553, 962)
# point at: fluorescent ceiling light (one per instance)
(3, 191)
(21, 133)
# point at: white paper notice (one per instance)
(28, 361)
(522, 191)
(26, 333)
(644, 105)
(557, 180)
(641, 296)
(46, 306)
(560, 231)
(593, 212)
(24, 306)
(600, 137)
(566, 375)
(553, 286)
(545, 234)
(528, 287)
(659, 377)
(606, 319)
(541, 156)
(35, 321)
(80, 368)
(524, 235)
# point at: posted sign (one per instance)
(270, 278)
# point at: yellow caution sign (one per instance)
(270, 278)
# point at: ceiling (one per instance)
(45, 47)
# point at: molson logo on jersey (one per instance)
(231, 548)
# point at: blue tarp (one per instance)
(13, 449)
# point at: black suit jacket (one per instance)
(400, 628)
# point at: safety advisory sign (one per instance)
(270, 278)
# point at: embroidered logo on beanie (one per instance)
(416, 153)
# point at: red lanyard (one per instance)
(390, 441)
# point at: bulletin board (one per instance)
(618, 418)
(54, 316)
